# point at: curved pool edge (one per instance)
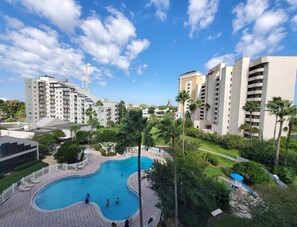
(105, 159)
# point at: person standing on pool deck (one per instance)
(107, 202)
(126, 223)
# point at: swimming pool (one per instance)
(109, 182)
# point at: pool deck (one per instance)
(19, 210)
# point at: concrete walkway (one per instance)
(19, 210)
(222, 155)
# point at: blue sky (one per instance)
(137, 49)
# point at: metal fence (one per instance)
(49, 169)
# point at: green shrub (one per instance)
(286, 174)
(252, 172)
(211, 158)
(192, 132)
(26, 165)
(2, 176)
(97, 146)
(231, 141)
(2, 127)
(41, 156)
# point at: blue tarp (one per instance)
(236, 176)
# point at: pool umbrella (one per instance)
(236, 176)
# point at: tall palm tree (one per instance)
(91, 114)
(292, 124)
(99, 103)
(199, 104)
(170, 129)
(251, 106)
(192, 108)
(74, 129)
(132, 129)
(283, 109)
(207, 108)
(272, 107)
(182, 97)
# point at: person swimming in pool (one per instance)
(117, 201)
(107, 202)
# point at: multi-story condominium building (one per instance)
(15, 151)
(194, 83)
(48, 97)
(228, 88)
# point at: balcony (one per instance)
(254, 99)
(255, 85)
(258, 70)
(254, 92)
(253, 120)
(258, 77)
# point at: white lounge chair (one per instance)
(27, 184)
(24, 189)
(34, 181)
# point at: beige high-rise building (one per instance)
(228, 88)
(192, 82)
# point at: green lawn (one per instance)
(230, 221)
(211, 146)
(16, 176)
(214, 171)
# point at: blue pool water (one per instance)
(109, 182)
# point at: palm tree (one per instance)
(74, 129)
(182, 97)
(272, 107)
(251, 106)
(207, 108)
(91, 114)
(99, 103)
(192, 108)
(132, 129)
(199, 104)
(292, 124)
(282, 108)
(170, 129)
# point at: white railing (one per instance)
(49, 169)
(155, 221)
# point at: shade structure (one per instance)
(236, 176)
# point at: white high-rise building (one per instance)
(228, 88)
(48, 97)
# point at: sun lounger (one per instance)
(80, 166)
(27, 184)
(23, 189)
(34, 181)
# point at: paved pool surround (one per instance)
(20, 210)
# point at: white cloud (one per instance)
(111, 41)
(162, 7)
(102, 83)
(227, 59)
(294, 23)
(64, 14)
(147, 84)
(201, 14)
(245, 14)
(140, 69)
(213, 37)
(13, 22)
(266, 35)
(32, 51)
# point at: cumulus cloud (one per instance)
(227, 59)
(266, 35)
(162, 7)
(64, 14)
(248, 13)
(30, 51)
(141, 68)
(293, 3)
(111, 41)
(201, 14)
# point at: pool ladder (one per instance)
(40, 199)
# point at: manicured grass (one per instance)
(214, 171)
(226, 162)
(211, 146)
(230, 221)
(16, 176)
